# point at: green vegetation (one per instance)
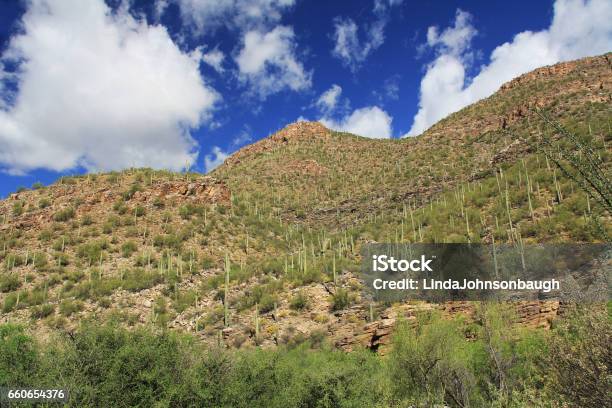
(64, 215)
(299, 301)
(432, 363)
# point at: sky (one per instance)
(95, 85)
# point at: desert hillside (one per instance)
(283, 221)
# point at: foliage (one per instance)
(580, 359)
(64, 215)
(430, 363)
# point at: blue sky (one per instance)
(94, 85)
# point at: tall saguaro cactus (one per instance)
(225, 295)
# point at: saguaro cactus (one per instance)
(225, 295)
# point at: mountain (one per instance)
(285, 218)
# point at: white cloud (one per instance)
(99, 89)
(382, 5)
(578, 29)
(453, 40)
(215, 59)
(268, 64)
(215, 159)
(329, 99)
(370, 122)
(208, 15)
(348, 47)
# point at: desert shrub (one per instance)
(207, 262)
(267, 303)
(158, 203)
(340, 299)
(120, 208)
(127, 195)
(138, 279)
(128, 248)
(92, 251)
(44, 203)
(13, 260)
(19, 358)
(173, 241)
(299, 301)
(42, 311)
(10, 302)
(37, 186)
(188, 210)
(183, 300)
(139, 211)
(87, 220)
(431, 364)
(9, 283)
(45, 235)
(579, 362)
(18, 208)
(68, 307)
(61, 259)
(64, 215)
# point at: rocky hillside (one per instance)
(283, 220)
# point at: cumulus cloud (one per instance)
(453, 40)
(370, 122)
(99, 89)
(329, 99)
(349, 47)
(214, 159)
(578, 29)
(208, 15)
(215, 59)
(267, 62)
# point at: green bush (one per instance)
(340, 299)
(69, 307)
(64, 215)
(299, 301)
(10, 302)
(139, 211)
(431, 363)
(580, 359)
(92, 251)
(9, 283)
(188, 210)
(42, 311)
(128, 248)
(138, 279)
(19, 357)
(44, 203)
(17, 208)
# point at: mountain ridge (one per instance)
(287, 215)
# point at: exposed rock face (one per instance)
(89, 198)
(377, 335)
(293, 132)
(517, 148)
(206, 190)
